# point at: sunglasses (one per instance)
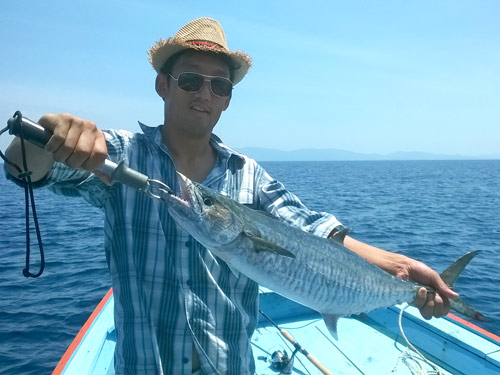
(193, 82)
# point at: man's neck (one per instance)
(193, 156)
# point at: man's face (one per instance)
(195, 113)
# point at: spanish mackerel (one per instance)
(314, 271)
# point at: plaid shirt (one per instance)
(171, 294)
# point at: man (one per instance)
(179, 309)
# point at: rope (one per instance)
(409, 359)
(25, 176)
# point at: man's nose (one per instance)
(205, 91)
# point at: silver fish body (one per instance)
(323, 275)
(316, 272)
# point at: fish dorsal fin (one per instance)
(331, 323)
(260, 244)
(450, 274)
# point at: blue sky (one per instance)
(364, 76)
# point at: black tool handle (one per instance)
(30, 130)
(39, 136)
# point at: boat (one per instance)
(369, 343)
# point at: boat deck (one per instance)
(371, 343)
(367, 344)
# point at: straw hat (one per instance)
(202, 34)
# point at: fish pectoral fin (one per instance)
(261, 244)
(331, 323)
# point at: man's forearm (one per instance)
(389, 262)
(38, 160)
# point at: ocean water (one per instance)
(434, 211)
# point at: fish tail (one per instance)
(450, 275)
(464, 308)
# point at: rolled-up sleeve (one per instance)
(276, 199)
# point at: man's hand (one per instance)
(77, 143)
(430, 304)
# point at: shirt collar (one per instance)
(223, 151)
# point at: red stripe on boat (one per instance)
(74, 345)
(474, 327)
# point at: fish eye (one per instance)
(207, 201)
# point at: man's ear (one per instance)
(161, 85)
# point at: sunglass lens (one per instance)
(221, 86)
(190, 82)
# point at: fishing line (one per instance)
(408, 354)
(29, 199)
(340, 351)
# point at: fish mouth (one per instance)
(187, 196)
(184, 190)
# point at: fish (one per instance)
(316, 272)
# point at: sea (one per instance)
(434, 211)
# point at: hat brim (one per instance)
(164, 49)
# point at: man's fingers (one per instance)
(425, 303)
(71, 150)
(431, 304)
(59, 129)
(421, 298)
(48, 121)
(76, 142)
(98, 154)
(441, 306)
(442, 288)
(81, 147)
(427, 310)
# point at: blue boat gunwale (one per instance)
(73, 347)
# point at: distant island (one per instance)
(331, 154)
